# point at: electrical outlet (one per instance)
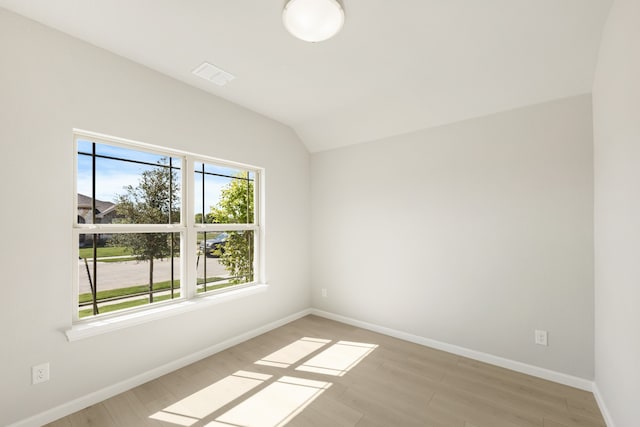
(40, 373)
(324, 292)
(541, 337)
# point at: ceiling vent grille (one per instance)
(213, 74)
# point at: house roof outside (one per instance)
(103, 207)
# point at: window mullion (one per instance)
(130, 228)
(190, 243)
(225, 227)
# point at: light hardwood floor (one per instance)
(317, 372)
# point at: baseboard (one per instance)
(524, 368)
(112, 390)
(603, 407)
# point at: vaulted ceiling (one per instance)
(396, 67)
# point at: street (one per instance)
(112, 275)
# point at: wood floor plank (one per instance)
(94, 415)
(499, 380)
(587, 407)
(436, 417)
(358, 378)
(502, 398)
(549, 423)
(126, 409)
(63, 422)
(478, 411)
(327, 411)
(525, 380)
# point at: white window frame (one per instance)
(187, 228)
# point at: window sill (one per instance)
(90, 328)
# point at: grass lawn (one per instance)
(129, 258)
(132, 290)
(110, 251)
(126, 304)
(111, 293)
(104, 251)
(214, 287)
(118, 292)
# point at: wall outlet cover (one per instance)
(40, 373)
(541, 337)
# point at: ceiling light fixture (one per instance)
(313, 20)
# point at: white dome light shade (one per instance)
(313, 20)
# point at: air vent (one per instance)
(213, 74)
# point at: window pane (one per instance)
(224, 259)
(223, 195)
(131, 186)
(128, 270)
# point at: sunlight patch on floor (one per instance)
(200, 404)
(292, 353)
(263, 401)
(338, 359)
(177, 419)
(273, 406)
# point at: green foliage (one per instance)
(236, 206)
(154, 200)
(146, 246)
(208, 218)
(237, 257)
(236, 202)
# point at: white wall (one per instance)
(616, 107)
(472, 234)
(51, 83)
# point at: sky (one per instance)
(112, 176)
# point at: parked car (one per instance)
(214, 247)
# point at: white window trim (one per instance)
(189, 299)
(163, 310)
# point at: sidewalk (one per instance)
(113, 275)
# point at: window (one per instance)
(226, 225)
(155, 226)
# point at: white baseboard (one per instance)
(524, 368)
(603, 407)
(112, 390)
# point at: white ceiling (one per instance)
(397, 66)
